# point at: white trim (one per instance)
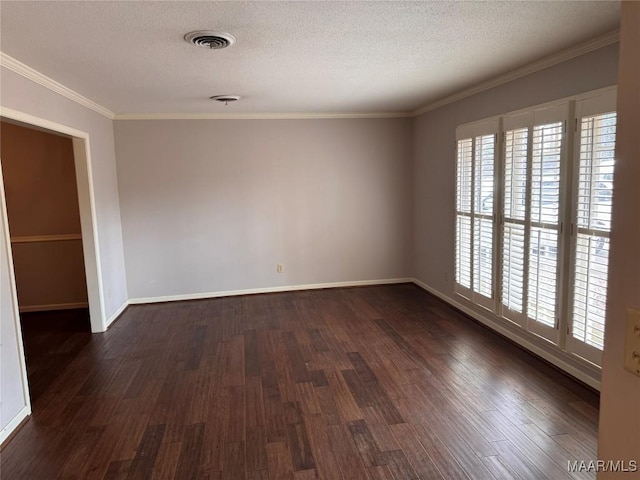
(563, 56)
(117, 313)
(584, 350)
(613, 89)
(47, 238)
(588, 374)
(253, 291)
(486, 126)
(544, 331)
(41, 79)
(13, 424)
(4, 226)
(88, 218)
(588, 104)
(257, 116)
(595, 103)
(89, 227)
(41, 122)
(554, 103)
(53, 306)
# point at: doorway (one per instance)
(49, 230)
(46, 241)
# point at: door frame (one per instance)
(88, 222)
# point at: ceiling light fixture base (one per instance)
(226, 98)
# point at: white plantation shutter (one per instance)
(590, 295)
(464, 172)
(543, 273)
(484, 159)
(463, 251)
(542, 306)
(464, 189)
(533, 152)
(475, 240)
(483, 257)
(513, 268)
(515, 174)
(594, 188)
(513, 228)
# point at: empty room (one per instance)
(310, 239)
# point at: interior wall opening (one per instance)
(46, 249)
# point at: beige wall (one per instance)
(25, 96)
(42, 200)
(620, 398)
(214, 205)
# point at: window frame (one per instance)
(586, 105)
(557, 112)
(570, 111)
(472, 131)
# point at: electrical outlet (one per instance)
(279, 268)
(632, 348)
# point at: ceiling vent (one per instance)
(211, 40)
(226, 98)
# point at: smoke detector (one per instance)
(226, 98)
(211, 40)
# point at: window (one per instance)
(533, 154)
(474, 213)
(535, 190)
(594, 188)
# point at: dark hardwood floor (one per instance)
(52, 340)
(373, 382)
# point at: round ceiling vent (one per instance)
(226, 98)
(211, 40)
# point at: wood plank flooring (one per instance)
(380, 382)
(52, 340)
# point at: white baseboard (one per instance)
(53, 306)
(13, 424)
(117, 313)
(253, 291)
(566, 362)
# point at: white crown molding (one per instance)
(256, 116)
(37, 77)
(563, 56)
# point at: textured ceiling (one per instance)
(301, 57)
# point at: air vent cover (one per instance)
(211, 40)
